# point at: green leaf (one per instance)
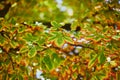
(92, 61)
(5, 76)
(2, 39)
(68, 39)
(34, 38)
(30, 38)
(93, 78)
(1, 27)
(55, 24)
(97, 77)
(13, 20)
(74, 25)
(113, 63)
(74, 75)
(52, 38)
(48, 62)
(24, 49)
(100, 75)
(14, 77)
(101, 58)
(13, 29)
(116, 37)
(14, 44)
(20, 77)
(87, 75)
(21, 29)
(41, 41)
(7, 61)
(56, 59)
(32, 52)
(59, 41)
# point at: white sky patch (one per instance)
(107, 1)
(65, 46)
(17, 24)
(82, 40)
(34, 64)
(74, 39)
(64, 56)
(71, 53)
(77, 49)
(37, 23)
(108, 59)
(116, 9)
(89, 20)
(29, 43)
(70, 11)
(63, 8)
(59, 1)
(57, 70)
(116, 69)
(25, 22)
(118, 1)
(17, 52)
(49, 45)
(59, 5)
(47, 30)
(41, 78)
(38, 74)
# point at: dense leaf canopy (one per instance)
(60, 40)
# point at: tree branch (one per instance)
(82, 46)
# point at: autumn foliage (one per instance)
(52, 40)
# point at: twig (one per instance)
(82, 46)
(64, 51)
